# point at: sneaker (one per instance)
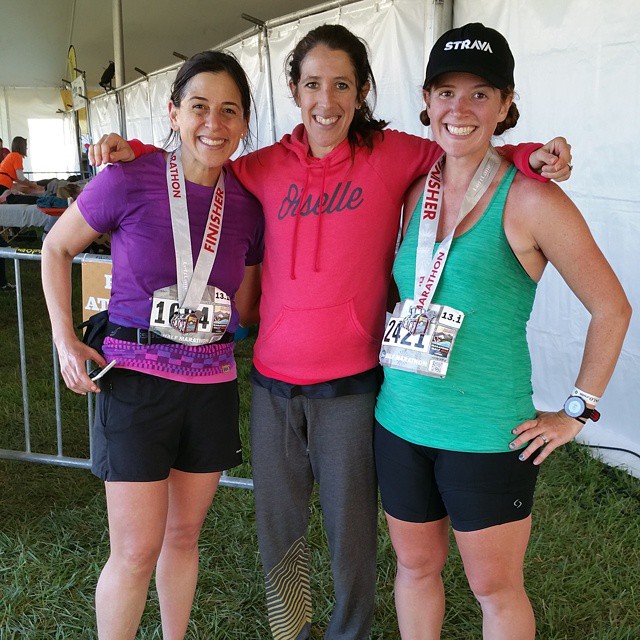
(9, 288)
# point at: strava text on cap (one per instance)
(467, 44)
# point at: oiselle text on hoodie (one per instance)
(331, 225)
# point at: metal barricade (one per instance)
(59, 458)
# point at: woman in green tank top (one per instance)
(457, 435)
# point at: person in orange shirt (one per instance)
(11, 169)
(10, 173)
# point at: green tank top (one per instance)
(487, 390)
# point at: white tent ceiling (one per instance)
(35, 34)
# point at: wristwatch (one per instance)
(575, 407)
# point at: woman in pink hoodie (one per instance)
(332, 193)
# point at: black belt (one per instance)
(145, 336)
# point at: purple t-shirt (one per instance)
(131, 202)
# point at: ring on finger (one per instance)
(544, 438)
(570, 166)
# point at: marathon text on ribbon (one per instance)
(432, 278)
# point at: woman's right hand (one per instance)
(110, 148)
(72, 354)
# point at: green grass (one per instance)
(583, 564)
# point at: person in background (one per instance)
(4, 152)
(457, 437)
(11, 169)
(182, 231)
(332, 193)
(11, 165)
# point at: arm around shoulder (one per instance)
(114, 148)
(550, 161)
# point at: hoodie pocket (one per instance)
(319, 342)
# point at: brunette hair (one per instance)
(210, 62)
(338, 38)
(19, 145)
(508, 123)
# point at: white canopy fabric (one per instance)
(576, 74)
(33, 114)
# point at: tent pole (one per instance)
(118, 42)
(439, 20)
(272, 113)
(76, 124)
(262, 25)
(6, 115)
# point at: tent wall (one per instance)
(159, 89)
(576, 75)
(54, 150)
(396, 31)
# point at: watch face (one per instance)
(574, 407)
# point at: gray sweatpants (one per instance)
(294, 442)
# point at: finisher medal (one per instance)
(191, 312)
(185, 320)
(420, 334)
(416, 322)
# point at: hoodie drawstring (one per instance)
(294, 246)
(316, 262)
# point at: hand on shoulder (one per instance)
(553, 160)
(110, 148)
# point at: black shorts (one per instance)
(476, 490)
(145, 426)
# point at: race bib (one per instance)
(203, 325)
(420, 341)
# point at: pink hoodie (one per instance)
(327, 260)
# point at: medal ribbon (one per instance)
(429, 267)
(191, 281)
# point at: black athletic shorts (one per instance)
(145, 426)
(476, 490)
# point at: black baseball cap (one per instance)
(475, 49)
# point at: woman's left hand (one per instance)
(544, 434)
(553, 160)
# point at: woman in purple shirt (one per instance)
(182, 231)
